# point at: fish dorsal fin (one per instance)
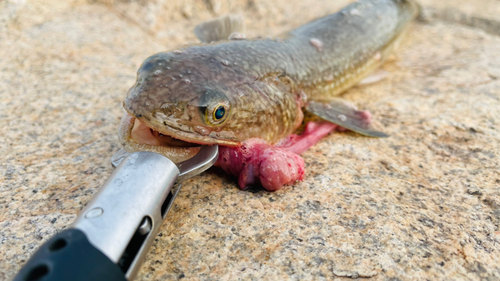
(346, 115)
(221, 29)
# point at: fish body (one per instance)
(230, 91)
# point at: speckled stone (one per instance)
(423, 204)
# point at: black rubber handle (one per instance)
(69, 256)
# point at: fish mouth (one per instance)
(135, 135)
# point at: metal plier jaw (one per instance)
(125, 215)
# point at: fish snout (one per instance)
(138, 103)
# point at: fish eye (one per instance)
(214, 107)
(219, 112)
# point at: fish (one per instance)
(249, 96)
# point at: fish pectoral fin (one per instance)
(223, 28)
(345, 115)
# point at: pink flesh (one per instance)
(256, 162)
(142, 134)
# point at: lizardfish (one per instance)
(249, 95)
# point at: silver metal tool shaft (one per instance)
(125, 216)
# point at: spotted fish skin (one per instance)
(264, 84)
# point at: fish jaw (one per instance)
(134, 137)
(187, 136)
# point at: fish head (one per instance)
(197, 100)
(183, 99)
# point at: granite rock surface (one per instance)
(423, 204)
